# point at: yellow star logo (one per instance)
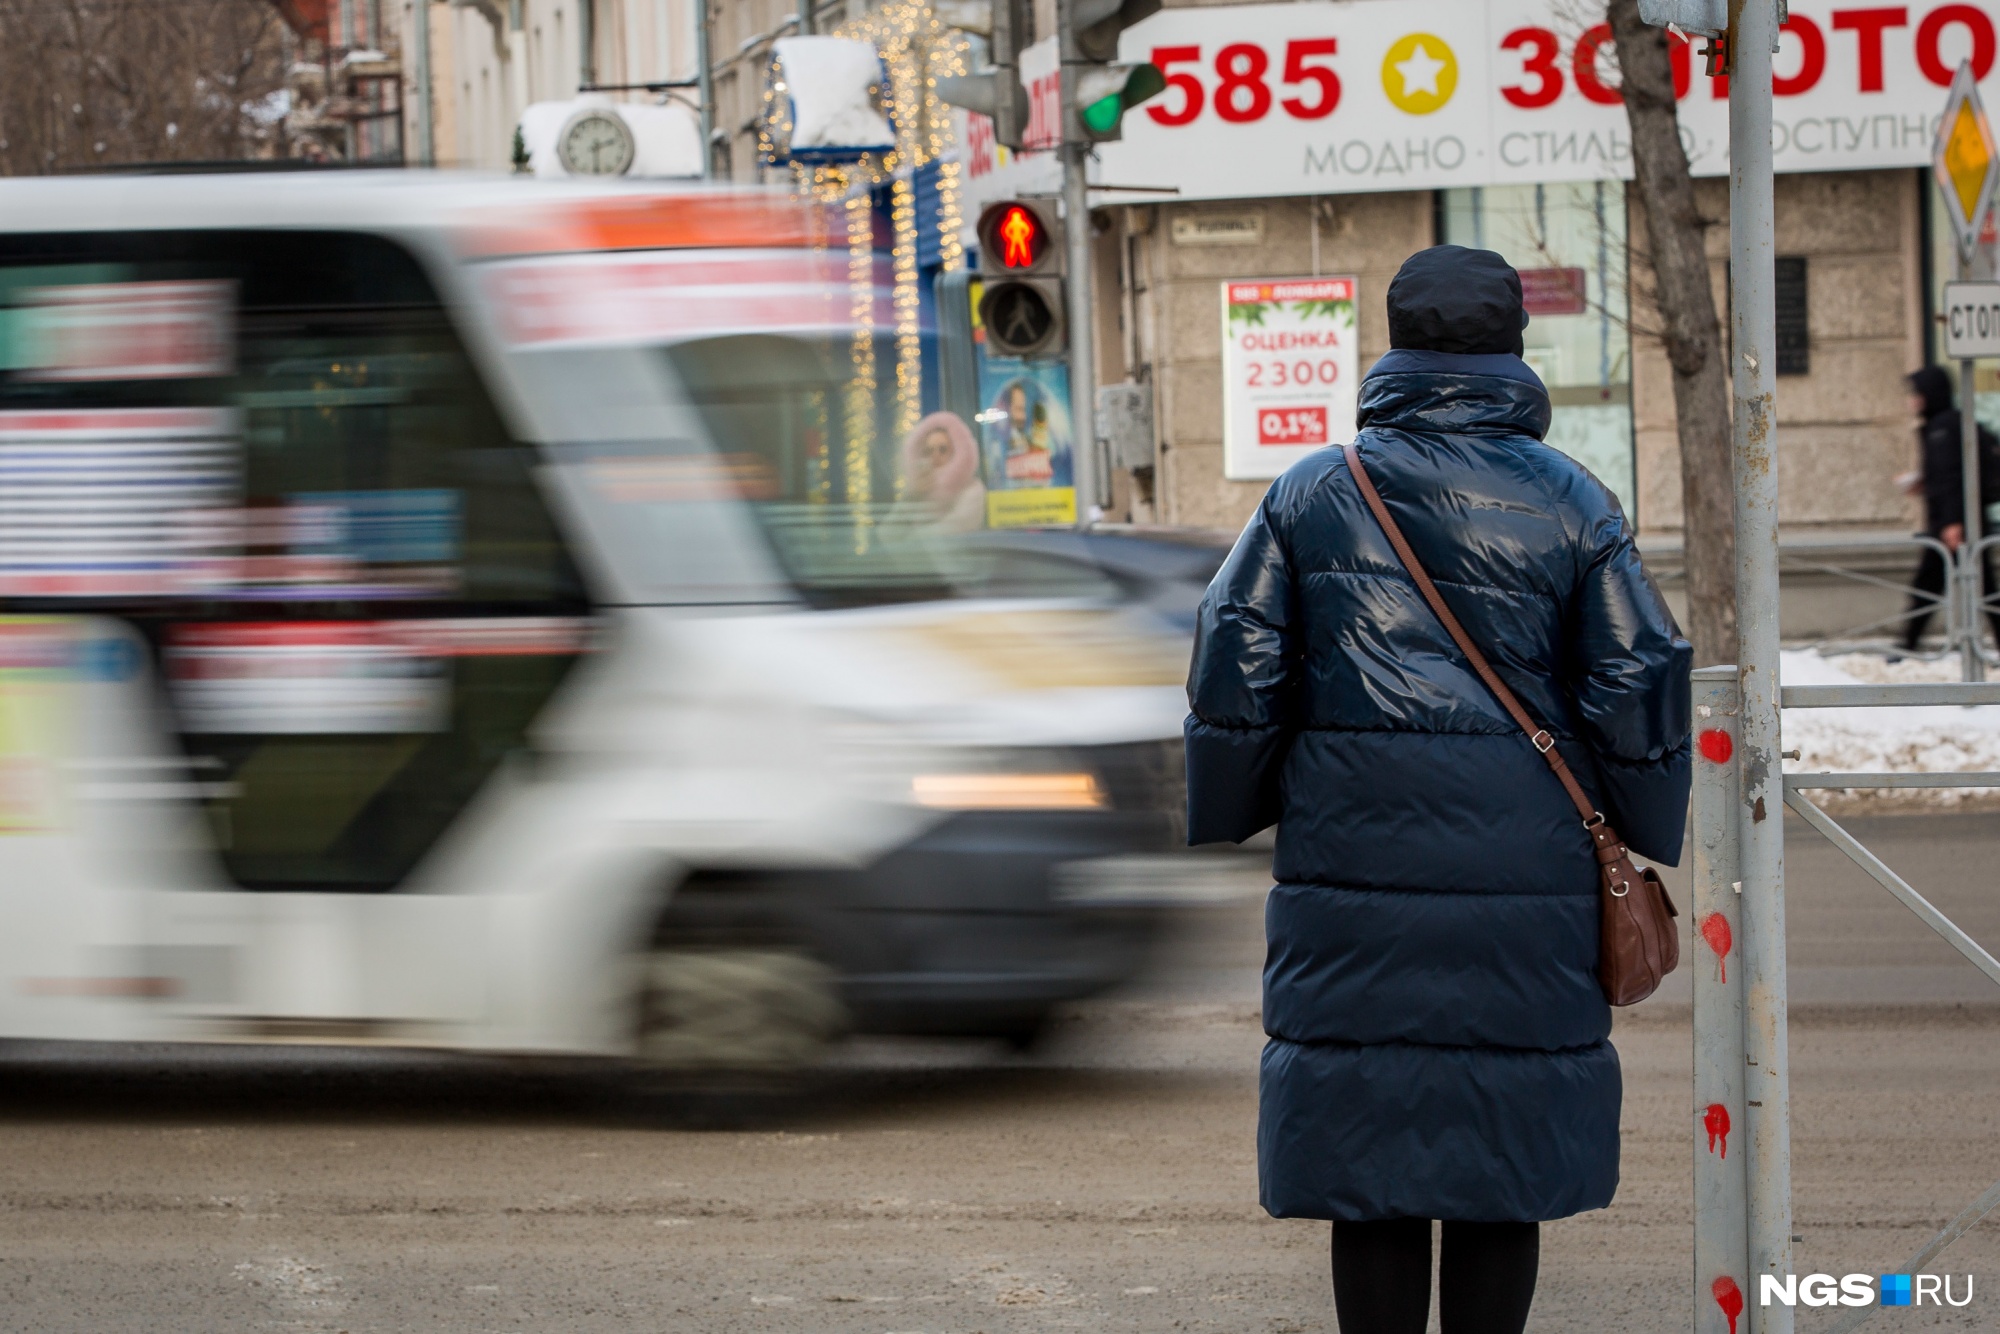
(1419, 73)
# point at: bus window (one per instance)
(358, 598)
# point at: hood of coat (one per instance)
(1454, 391)
(1933, 386)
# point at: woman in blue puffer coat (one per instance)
(1437, 1033)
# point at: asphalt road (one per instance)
(1106, 1182)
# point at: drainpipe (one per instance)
(353, 136)
(420, 43)
(519, 76)
(706, 78)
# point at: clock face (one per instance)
(596, 143)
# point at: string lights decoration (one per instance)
(909, 342)
(916, 50)
(857, 463)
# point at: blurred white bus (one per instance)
(480, 614)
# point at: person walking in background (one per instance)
(1438, 1037)
(1941, 482)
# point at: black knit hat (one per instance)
(1933, 385)
(1451, 299)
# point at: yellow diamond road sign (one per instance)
(1965, 160)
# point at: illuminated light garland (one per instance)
(819, 433)
(909, 329)
(909, 82)
(858, 459)
(951, 250)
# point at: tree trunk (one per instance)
(1690, 330)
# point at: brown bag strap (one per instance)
(1538, 736)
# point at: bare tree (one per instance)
(1689, 329)
(88, 83)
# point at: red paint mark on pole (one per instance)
(1715, 930)
(1716, 747)
(1716, 1122)
(1729, 1297)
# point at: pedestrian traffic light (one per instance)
(1014, 238)
(1020, 264)
(1018, 237)
(1023, 317)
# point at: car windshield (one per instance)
(856, 512)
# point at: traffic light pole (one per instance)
(1082, 346)
(1077, 284)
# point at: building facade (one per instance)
(1317, 139)
(1844, 425)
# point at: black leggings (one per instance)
(1382, 1276)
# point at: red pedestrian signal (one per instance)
(1021, 238)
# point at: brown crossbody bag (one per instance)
(1638, 943)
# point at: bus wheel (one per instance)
(758, 1015)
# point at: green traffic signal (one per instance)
(1117, 89)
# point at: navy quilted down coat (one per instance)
(1437, 1036)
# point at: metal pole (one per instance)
(1076, 232)
(706, 79)
(586, 42)
(1971, 566)
(1722, 1285)
(420, 41)
(350, 141)
(1753, 327)
(807, 19)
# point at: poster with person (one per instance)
(1026, 440)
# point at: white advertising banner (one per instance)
(1319, 98)
(1289, 371)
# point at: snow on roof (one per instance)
(834, 86)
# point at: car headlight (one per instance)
(1075, 791)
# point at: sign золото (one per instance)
(1310, 98)
(1289, 371)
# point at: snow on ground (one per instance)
(1897, 740)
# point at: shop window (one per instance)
(1568, 241)
(1794, 329)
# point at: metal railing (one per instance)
(1834, 559)
(1735, 997)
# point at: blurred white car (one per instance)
(476, 613)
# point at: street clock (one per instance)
(596, 142)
